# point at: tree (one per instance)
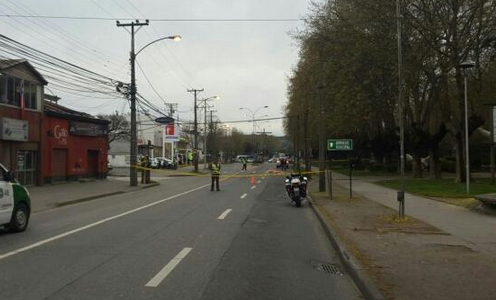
(349, 47)
(119, 126)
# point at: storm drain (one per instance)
(327, 268)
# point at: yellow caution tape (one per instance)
(270, 173)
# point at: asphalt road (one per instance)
(176, 241)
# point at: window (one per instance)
(3, 89)
(30, 95)
(11, 90)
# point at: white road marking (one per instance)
(155, 281)
(62, 235)
(224, 214)
(263, 177)
(253, 187)
(259, 181)
(243, 196)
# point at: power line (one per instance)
(250, 20)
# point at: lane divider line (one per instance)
(155, 281)
(253, 187)
(71, 232)
(259, 181)
(243, 196)
(224, 214)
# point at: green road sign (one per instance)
(339, 145)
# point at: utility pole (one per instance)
(401, 193)
(205, 134)
(133, 173)
(195, 145)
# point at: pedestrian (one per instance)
(215, 171)
(244, 162)
(283, 163)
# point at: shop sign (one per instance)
(171, 133)
(87, 129)
(14, 130)
(60, 133)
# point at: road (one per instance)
(176, 241)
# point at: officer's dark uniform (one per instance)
(215, 171)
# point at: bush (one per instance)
(448, 165)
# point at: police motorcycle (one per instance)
(296, 188)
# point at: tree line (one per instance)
(348, 72)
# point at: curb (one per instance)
(350, 263)
(86, 199)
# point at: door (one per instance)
(26, 167)
(6, 199)
(92, 163)
(59, 165)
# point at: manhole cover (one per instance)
(327, 268)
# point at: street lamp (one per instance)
(205, 127)
(466, 66)
(253, 114)
(133, 174)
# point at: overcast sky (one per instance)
(246, 63)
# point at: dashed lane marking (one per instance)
(243, 196)
(224, 214)
(155, 281)
(253, 187)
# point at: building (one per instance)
(21, 117)
(75, 144)
(149, 142)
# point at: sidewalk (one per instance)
(50, 196)
(407, 260)
(477, 229)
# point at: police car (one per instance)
(15, 204)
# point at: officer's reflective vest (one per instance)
(215, 169)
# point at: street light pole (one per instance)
(253, 115)
(465, 66)
(133, 172)
(401, 192)
(467, 148)
(322, 143)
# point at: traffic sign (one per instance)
(340, 145)
(165, 120)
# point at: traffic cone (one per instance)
(252, 180)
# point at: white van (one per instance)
(15, 203)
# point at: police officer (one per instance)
(243, 161)
(215, 171)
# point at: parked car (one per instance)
(15, 203)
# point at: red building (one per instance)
(21, 117)
(75, 144)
